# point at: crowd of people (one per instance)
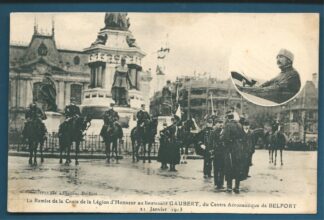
(226, 147)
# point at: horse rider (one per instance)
(71, 112)
(218, 161)
(233, 136)
(111, 116)
(35, 113)
(204, 141)
(142, 116)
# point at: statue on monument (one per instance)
(121, 84)
(166, 108)
(101, 39)
(117, 21)
(47, 95)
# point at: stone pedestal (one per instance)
(53, 121)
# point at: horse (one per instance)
(134, 137)
(69, 132)
(110, 133)
(144, 137)
(35, 133)
(187, 137)
(277, 141)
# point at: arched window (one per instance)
(36, 91)
(76, 60)
(76, 94)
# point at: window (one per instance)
(76, 92)
(76, 60)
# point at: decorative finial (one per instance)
(53, 27)
(35, 25)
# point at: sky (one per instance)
(200, 42)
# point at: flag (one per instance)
(212, 103)
(177, 94)
(178, 112)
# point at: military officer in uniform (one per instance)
(233, 136)
(37, 114)
(284, 86)
(142, 116)
(248, 147)
(205, 142)
(110, 116)
(174, 143)
(218, 161)
(71, 111)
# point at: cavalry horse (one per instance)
(69, 132)
(144, 137)
(35, 132)
(110, 133)
(277, 141)
(187, 137)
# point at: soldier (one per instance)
(37, 114)
(141, 116)
(232, 137)
(163, 149)
(218, 155)
(110, 116)
(174, 146)
(34, 112)
(72, 111)
(248, 147)
(205, 142)
(284, 86)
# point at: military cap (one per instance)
(286, 53)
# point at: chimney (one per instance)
(315, 79)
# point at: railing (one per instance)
(93, 144)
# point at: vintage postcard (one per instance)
(163, 112)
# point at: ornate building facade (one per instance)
(42, 73)
(53, 77)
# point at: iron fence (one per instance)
(92, 144)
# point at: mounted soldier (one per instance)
(111, 116)
(34, 113)
(142, 116)
(72, 112)
(34, 131)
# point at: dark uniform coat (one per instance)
(232, 137)
(174, 145)
(218, 157)
(142, 116)
(110, 116)
(72, 110)
(279, 89)
(163, 153)
(248, 151)
(35, 113)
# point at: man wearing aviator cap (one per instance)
(284, 86)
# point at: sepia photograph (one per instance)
(118, 112)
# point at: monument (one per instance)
(116, 74)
